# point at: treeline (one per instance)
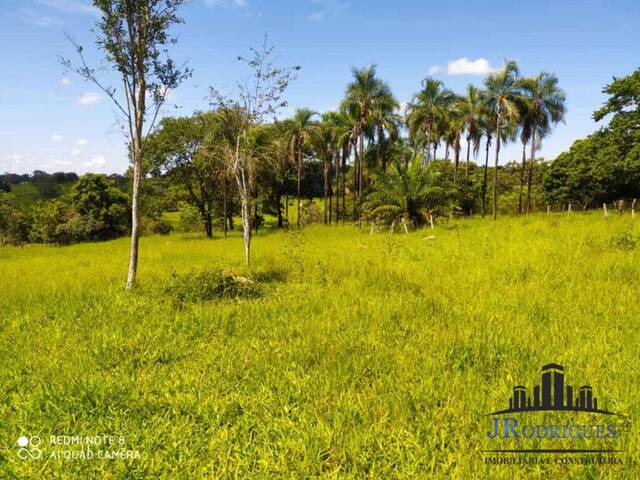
(368, 162)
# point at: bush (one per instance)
(155, 226)
(310, 213)
(208, 285)
(190, 218)
(14, 223)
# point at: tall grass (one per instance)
(365, 356)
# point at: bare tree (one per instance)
(133, 35)
(259, 96)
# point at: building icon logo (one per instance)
(553, 394)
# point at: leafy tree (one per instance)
(134, 34)
(176, 148)
(261, 95)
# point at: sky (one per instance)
(54, 121)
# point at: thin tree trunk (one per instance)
(279, 207)
(466, 176)
(522, 171)
(326, 190)
(135, 224)
(456, 159)
(299, 176)
(484, 180)
(225, 212)
(531, 164)
(495, 169)
(344, 186)
(360, 176)
(208, 224)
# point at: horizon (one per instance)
(56, 122)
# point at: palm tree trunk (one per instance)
(360, 175)
(484, 180)
(466, 177)
(344, 185)
(495, 169)
(326, 189)
(522, 171)
(299, 175)
(456, 160)
(531, 164)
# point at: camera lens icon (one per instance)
(29, 447)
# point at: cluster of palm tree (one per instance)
(508, 105)
(358, 142)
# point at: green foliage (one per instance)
(190, 219)
(14, 223)
(407, 194)
(606, 165)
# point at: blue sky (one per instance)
(52, 122)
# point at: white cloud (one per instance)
(56, 138)
(316, 16)
(81, 142)
(28, 15)
(95, 161)
(434, 70)
(71, 6)
(65, 81)
(58, 163)
(75, 152)
(334, 7)
(226, 3)
(464, 66)
(88, 98)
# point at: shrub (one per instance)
(155, 226)
(208, 285)
(190, 218)
(310, 213)
(14, 223)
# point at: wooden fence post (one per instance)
(604, 207)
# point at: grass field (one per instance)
(365, 356)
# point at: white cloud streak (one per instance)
(465, 66)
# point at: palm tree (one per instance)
(326, 148)
(302, 125)
(488, 126)
(405, 194)
(365, 95)
(504, 94)
(471, 107)
(426, 112)
(547, 107)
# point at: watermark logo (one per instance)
(29, 447)
(553, 417)
(76, 447)
(553, 394)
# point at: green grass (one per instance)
(366, 356)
